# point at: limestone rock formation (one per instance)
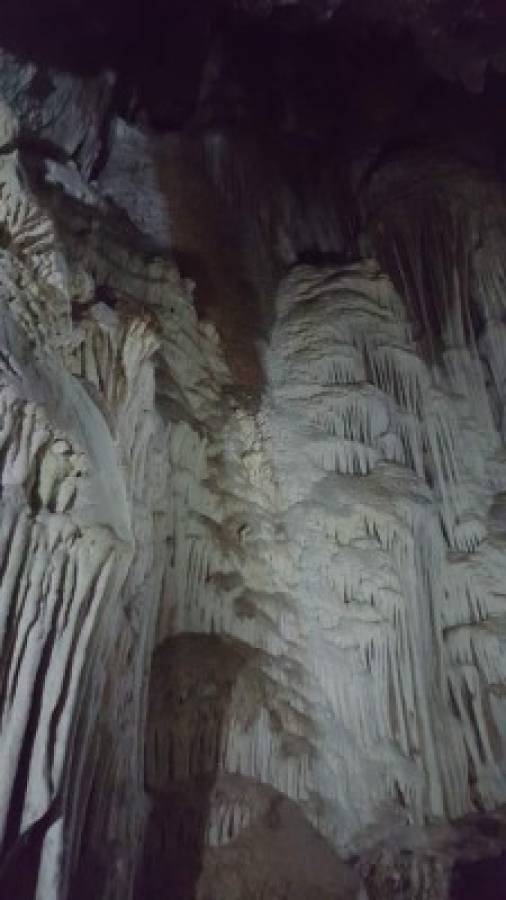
(252, 497)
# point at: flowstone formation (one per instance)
(253, 500)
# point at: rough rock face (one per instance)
(252, 529)
(386, 467)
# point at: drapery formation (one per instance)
(252, 530)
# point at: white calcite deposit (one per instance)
(312, 573)
(389, 471)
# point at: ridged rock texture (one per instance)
(252, 509)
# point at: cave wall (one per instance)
(253, 480)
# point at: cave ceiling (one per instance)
(459, 40)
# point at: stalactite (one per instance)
(313, 566)
(396, 639)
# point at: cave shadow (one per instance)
(191, 690)
(485, 879)
(207, 243)
(156, 48)
(315, 257)
(174, 843)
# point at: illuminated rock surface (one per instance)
(252, 508)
